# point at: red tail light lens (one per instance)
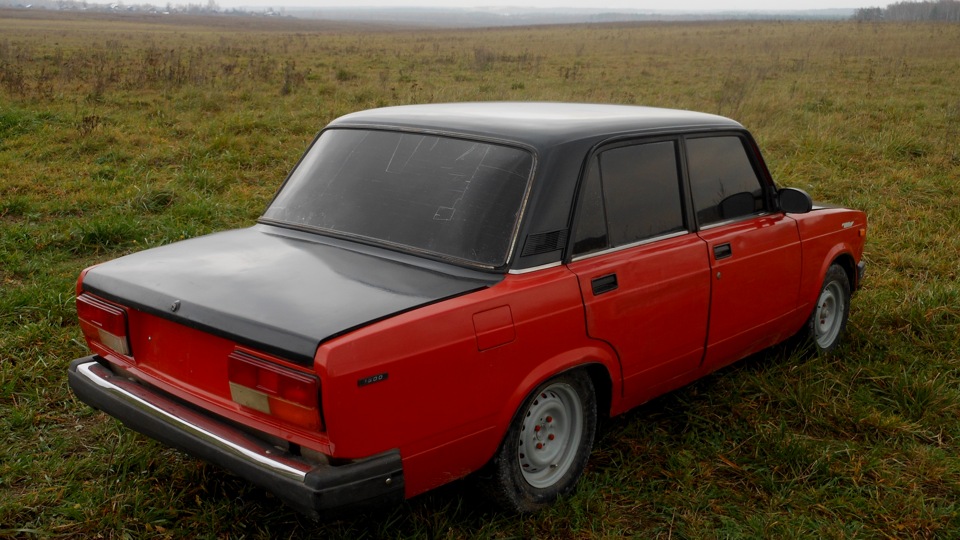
(103, 323)
(280, 392)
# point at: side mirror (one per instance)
(794, 201)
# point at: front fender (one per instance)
(829, 235)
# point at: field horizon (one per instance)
(123, 134)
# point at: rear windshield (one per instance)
(450, 197)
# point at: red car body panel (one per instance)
(442, 362)
(656, 319)
(539, 327)
(828, 235)
(192, 365)
(764, 261)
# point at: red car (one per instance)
(443, 289)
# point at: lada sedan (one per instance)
(439, 290)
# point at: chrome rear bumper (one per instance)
(311, 489)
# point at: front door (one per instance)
(754, 251)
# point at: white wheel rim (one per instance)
(829, 315)
(550, 435)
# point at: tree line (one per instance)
(943, 10)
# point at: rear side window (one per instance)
(724, 183)
(634, 191)
(591, 232)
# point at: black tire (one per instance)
(828, 321)
(547, 445)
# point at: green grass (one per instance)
(121, 135)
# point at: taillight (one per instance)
(103, 323)
(280, 392)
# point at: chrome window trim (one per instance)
(535, 268)
(735, 220)
(630, 245)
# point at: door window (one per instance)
(631, 193)
(725, 185)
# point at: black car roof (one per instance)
(536, 124)
(562, 135)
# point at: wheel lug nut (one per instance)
(536, 428)
(549, 419)
(550, 437)
(539, 446)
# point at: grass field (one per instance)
(120, 135)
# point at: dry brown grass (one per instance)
(121, 134)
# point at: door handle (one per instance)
(604, 284)
(722, 251)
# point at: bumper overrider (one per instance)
(311, 489)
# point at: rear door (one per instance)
(644, 276)
(754, 250)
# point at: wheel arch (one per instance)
(502, 477)
(845, 261)
(841, 255)
(600, 366)
(602, 387)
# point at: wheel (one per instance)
(829, 317)
(547, 445)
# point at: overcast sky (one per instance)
(656, 5)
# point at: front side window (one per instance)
(631, 193)
(724, 183)
(453, 198)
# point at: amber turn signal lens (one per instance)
(275, 390)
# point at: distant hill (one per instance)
(491, 17)
(413, 17)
